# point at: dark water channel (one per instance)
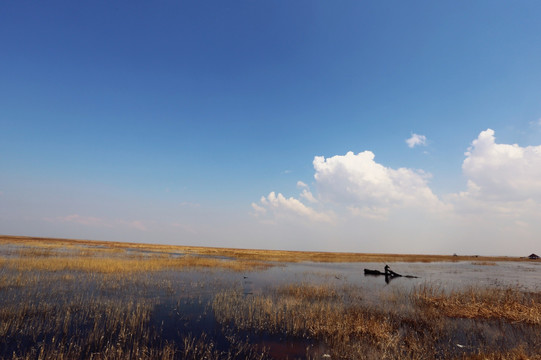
(191, 313)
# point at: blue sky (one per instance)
(168, 122)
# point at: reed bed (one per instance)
(484, 263)
(310, 292)
(327, 257)
(505, 304)
(350, 329)
(75, 327)
(318, 313)
(102, 329)
(93, 315)
(249, 254)
(126, 265)
(78, 300)
(66, 299)
(515, 354)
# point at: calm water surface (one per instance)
(444, 275)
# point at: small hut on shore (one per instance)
(533, 257)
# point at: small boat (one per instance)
(373, 272)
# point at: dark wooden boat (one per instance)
(390, 274)
(373, 272)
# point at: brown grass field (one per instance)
(75, 299)
(250, 254)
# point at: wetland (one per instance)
(98, 300)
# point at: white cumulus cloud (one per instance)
(354, 185)
(357, 180)
(395, 208)
(502, 171)
(416, 140)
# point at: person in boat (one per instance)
(389, 272)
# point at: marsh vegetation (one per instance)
(74, 300)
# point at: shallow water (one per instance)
(449, 276)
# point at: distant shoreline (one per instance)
(259, 254)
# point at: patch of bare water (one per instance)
(444, 275)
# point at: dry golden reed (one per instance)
(351, 330)
(67, 299)
(312, 312)
(484, 263)
(101, 257)
(518, 353)
(245, 254)
(126, 265)
(473, 303)
(96, 316)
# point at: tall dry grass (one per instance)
(126, 265)
(102, 329)
(70, 255)
(505, 304)
(518, 353)
(87, 315)
(351, 330)
(316, 312)
(76, 328)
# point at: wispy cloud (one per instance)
(308, 196)
(286, 208)
(416, 140)
(536, 122)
